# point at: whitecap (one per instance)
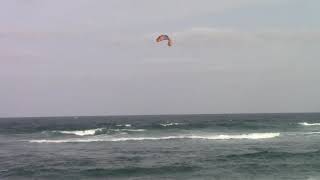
(170, 124)
(81, 132)
(128, 130)
(309, 124)
(241, 136)
(205, 137)
(124, 125)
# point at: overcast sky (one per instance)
(94, 57)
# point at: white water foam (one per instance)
(81, 132)
(171, 124)
(129, 130)
(124, 125)
(309, 124)
(207, 137)
(90, 132)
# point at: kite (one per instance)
(163, 38)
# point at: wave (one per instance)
(42, 171)
(81, 132)
(309, 124)
(272, 154)
(171, 124)
(91, 132)
(124, 125)
(129, 130)
(132, 171)
(212, 137)
(310, 133)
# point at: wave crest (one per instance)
(309, 124)
(212, 137)
(170, 124)
(124, 125)
(81, 132)
(91, 132)
(129, 130)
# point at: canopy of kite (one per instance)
(164, 38)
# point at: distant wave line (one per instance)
(91, 132)
(171, 124)
(255, 136)
(130, 130)
(309, 124)
(80, 132)
(124, 125)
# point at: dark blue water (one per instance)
(234, 146)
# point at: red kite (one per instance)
(164, 37)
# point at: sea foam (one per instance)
(309, 124)
(171, 124)
(205, 137)
(81, 132)
(124, 125)
(129, 130)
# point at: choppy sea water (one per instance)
(229, 146)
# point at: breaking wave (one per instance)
(91, 132)
(205, 137)
(81, 132)
(171, 124)
(124, 125)
(129, 130)
(309, 124)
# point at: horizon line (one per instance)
(169, 114)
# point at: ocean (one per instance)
(213, 147)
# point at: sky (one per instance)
(94, 57)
